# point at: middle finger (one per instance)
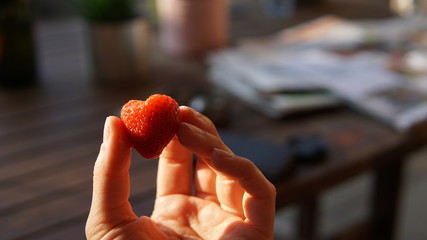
(228, 191)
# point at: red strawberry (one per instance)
(151, 124)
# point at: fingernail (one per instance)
(220, 154)
(106, 130)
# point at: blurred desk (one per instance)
(50, 136)
(357, 145)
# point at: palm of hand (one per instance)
(186, 217)
(195, 218)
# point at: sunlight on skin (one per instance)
(232, 199)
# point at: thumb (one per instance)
(111, 181)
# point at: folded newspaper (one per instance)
(289, 72)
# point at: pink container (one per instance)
(192, 27)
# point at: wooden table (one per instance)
(50, 135)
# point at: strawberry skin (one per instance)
(151, 124)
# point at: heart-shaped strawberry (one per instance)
(151, 124)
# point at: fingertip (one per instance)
(114, 122)
(118, 131)
(185, 108)
(187, 113)
(115, 150)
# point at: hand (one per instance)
(231, 199)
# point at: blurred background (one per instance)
(67, 64)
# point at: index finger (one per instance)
(199, 140)
(197, 119)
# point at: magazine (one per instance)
(323, 63)
(365, 83)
